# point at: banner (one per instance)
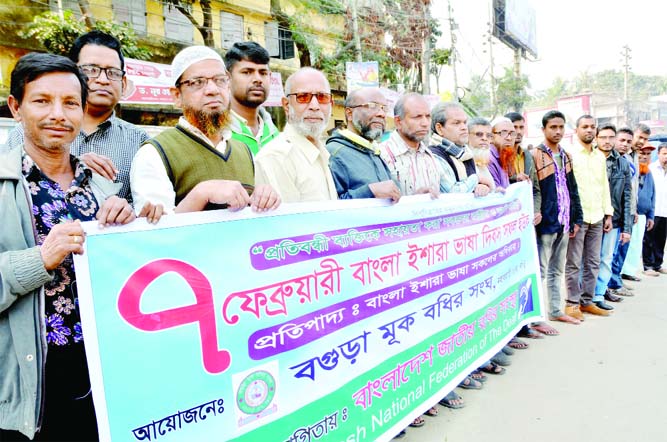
(360, 74)
(147, 82)
(342, 322)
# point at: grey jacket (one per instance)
(22, 277)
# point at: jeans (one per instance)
(552, 250)
(617, 262)
(583, 261)
(633, 259)
(607, 251)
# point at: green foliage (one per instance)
(477, 96)
(512, 94)
(57, 34)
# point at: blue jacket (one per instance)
(354, 167)
(646, 196)
(22, 277)
(545, 169)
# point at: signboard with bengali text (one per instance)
(336, 321)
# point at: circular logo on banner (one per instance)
(256, 392)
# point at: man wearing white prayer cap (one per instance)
(197, 165)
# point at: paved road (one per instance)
(602, 380)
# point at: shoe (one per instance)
(603, 305)
(452, 400)
(501, 359)
(593, 310)
(517, 344)
(662, 271)
(509, 351)
(527, 332)
(650, 272)
(628, 287)
(492, 368)
(565, 318)
(574, 311)
(630, 277)
(610, 295)
(623, 292)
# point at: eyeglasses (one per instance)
(197, 83)
(306, 97)
(372, 106)
(482, 134)
(94, 71)
(505, 133)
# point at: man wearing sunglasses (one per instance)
(479, 140)
(296, 163)
(106, 144)
(197, 165)
(357, 168)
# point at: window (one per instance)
(176, 25)
(279, 41)
(72, 5)
(231, 26)
(131, 12)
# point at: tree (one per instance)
(512, 92)
(477, 96)
(205, 28)
(439, 59)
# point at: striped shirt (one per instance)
(114, 138)
(411, 169)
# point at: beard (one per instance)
(366, 131)
(209, 122)
(643, 168)
(507, 157)
(481, 155)
(308, 130)
(252, 103)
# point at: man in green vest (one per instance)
(197, 165)
(250, 76)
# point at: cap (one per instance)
(648, 147)
(189, 56)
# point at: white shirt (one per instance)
(149, 179)
(660, 179)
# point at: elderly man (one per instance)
(479, 140)
(449, 138)
(355, 162)
(502, 151)
(296, 163)
(248, 66)
(44, 194)
(106, 144)
(197, 165)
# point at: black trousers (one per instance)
(653, 247)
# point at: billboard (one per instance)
(515, 24)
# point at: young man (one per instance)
(583, 252)
(296, 163)
(561, 211)
(250, 80)
(357, 168)
(44, 383)
(196, 165)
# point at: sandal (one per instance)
(517, 343)
(527, 332)
(493, 368)
(469, 383)
(433, 412)
(478, 376)
(545, 329)
(418, 422)
(452, 400)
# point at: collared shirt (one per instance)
(659, 174)
(150, 181)
(411, 169)
(266, 130)
(500, 177)
(590, 171)
(296, 168)
(114, 138)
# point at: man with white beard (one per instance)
(296, 163)
(479, 138)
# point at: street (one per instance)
(602, 380)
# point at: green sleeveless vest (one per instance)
(188, 161)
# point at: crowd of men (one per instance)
(600, 206)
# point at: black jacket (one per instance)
(619, 176)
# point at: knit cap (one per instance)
(189, 56)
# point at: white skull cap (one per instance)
(496, 121)
(189, 56)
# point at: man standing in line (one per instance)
(654, 239)
(479, 140)
(250, 81)
(196, 165)
(633, 253)
(561, 212)
(619, 177)
(296, 163)
(583, 251)
(502, 151)
(449, 138)
(357, 168)
(106, 144)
